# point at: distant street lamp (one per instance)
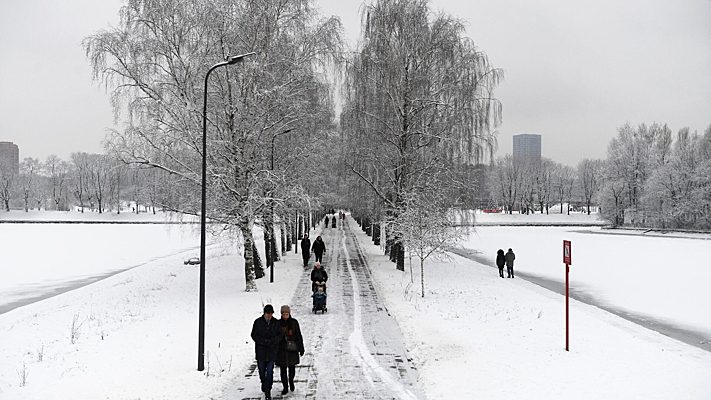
(229, 60)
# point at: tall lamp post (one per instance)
(229, 60)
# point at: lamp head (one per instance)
(236, 59)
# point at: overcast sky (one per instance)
(574, 70)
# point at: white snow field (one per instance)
(39, 258)
(474, 335)
(660, 277)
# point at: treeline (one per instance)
(93, 182)
(650, 178)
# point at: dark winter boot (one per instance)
(291, 384)
(268, 395)
(284, 391)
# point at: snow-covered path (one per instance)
(353, 351)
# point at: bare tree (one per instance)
(419, 97)
(589, 177)
(156, 61)
(29, 180)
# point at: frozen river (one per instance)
(41, 260)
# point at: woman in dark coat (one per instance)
(500, 262)
(318, 248)
(288, 357)
(318, 276)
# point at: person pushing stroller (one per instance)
(318, 286)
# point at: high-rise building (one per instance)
(10, 157)
(527, 147)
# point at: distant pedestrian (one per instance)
(290, 349)
(318, 276)
(500, 262)
(325, 221)
(318, 248)
(510, 257)
(306, 249)
(267, 337)
(333, 221)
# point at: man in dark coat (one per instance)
(500, 262)
(306, 249)
(318, 274)
(267, 336)
(510, 257)
(288, 356)
(318, 248)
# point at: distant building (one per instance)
(10, 157)
(527, 147)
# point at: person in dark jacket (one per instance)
(290, 349)
(306, 249)
(318, 274)
(500, 262)
(267, 336)
(318, 248)
(510, 257)
(333, 221)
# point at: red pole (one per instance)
(567, 272)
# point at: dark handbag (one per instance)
(291, 345)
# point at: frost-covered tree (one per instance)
(426, 227)
(505, 182)
(29, 181)
(155, 61)
(589, 180)
(419, 98)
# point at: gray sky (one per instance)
(574, 70)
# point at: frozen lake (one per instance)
(661, 277)
(40, 260)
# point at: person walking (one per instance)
(290, 349)
(500, 262)
(306, 249)
(510, 257)
(267, 337)
(318, 248)
(318, 276)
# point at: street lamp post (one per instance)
(229, 60)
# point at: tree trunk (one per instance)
(249, 267)
(282, 230)
(422, 275)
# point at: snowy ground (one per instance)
(134, 334)
(40, 259)
(474, 335)
(659, 277)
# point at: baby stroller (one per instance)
(319, 298)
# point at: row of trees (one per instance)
(96, 182)
(530, 186)
(654, 179)
(418, 111)
(265, 116)
(651, 178)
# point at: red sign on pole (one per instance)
(566, 253)
(567, 261)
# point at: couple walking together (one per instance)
(505, 259)
(306, 248)
(277, 341)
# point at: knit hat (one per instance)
(268, 309)
(285, 309)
